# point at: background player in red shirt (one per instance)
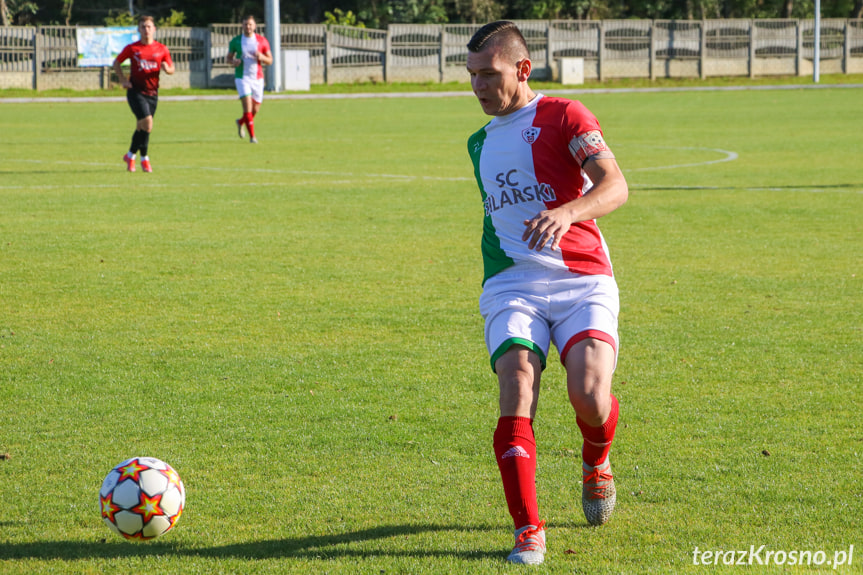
(148, 59)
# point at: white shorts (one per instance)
(533, 305)
(250, 87)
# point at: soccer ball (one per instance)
(142, 498)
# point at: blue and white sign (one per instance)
(99, 46)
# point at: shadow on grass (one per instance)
(312, 547)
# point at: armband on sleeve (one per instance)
(589, 145)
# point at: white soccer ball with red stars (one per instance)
(142, 498)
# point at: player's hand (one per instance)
(546, 227)
(127, 84)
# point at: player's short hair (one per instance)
(250, 17)
(145, 18)
(502, 34)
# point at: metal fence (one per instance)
(46, 56)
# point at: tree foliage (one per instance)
(173, 20)
(119, 18)
(380, 13)
(342, 18)
(18, 12)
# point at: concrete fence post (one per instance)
(441, 54)
(752, 36)
(388, 51)
(328, 51)
(651, 36)
(37, 57)
(600, 52)
(798, 58)
(208, 60)
(846, 53)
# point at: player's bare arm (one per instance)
(118, 70)
(168, 68)
(608, 193)
(265, 59)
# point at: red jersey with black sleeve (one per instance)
(146, 64)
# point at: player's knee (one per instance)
(592, 406)
(517, 392)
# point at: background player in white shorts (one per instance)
(249, 53)
(545, 174)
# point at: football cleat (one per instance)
(529, 545)
(598, 494)
(130, 162)
(253, 141)
(241, 129)
(145, 164)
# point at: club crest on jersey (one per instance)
(530, 135)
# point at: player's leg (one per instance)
(138, 105)
(256, 105)
(244, 93)
(252, 105)
(257, 87)
(257, 98)
(246, 103)
(145, 126)
(517, 338)
(519, 370)
(518, 375)
(248, 120)
(585, 322)
(134, 146)
(589, 369)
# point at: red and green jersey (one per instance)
(146, 63)
(246, 49)
(524, 163)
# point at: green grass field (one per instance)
(294, 327)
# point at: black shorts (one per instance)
(142, 106)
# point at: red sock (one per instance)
(248, 118)
(515, 449)
(597, 440)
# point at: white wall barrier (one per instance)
(46, 56)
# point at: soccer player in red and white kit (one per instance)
(248, 53)
(148, 59)
(545, 174)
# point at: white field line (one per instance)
(790, 189)
(246, 171)
(447, 94)
(728, 156)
